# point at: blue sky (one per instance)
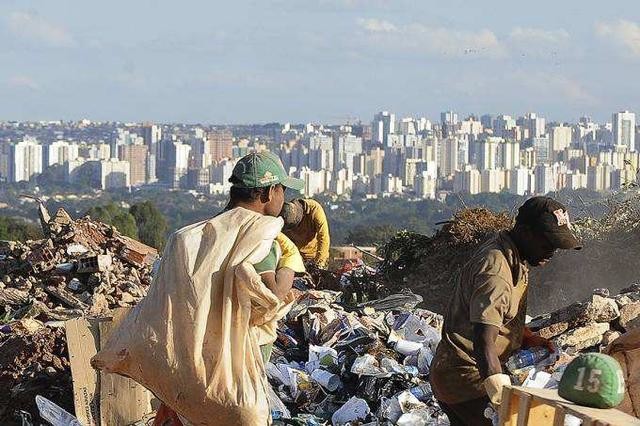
(315, 60)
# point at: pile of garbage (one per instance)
(81, 268)
(428, 264)
(339, 363)
(335, 363)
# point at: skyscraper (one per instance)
(624, 129)
(384, 123)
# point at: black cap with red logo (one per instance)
(546, 215)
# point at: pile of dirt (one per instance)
(428, 264)
(33, 361)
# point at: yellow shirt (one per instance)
(491, 289)
(311, 235)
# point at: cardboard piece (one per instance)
(105, 398)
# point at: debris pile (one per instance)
(592, 324)
(81, 268)
(428, 264)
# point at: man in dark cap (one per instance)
(484, 322)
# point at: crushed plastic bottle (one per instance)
(527, 357)
(423, 392)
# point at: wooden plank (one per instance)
(122, 401)
(504, 409)
(82, 342)
(523, 409)
(610, 416)
(541, 413)
(514, 405)
(558, 418)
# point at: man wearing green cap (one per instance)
(484, 322)
(258, 186)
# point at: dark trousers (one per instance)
(467, 413)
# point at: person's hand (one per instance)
(494, 385)
(531, 339)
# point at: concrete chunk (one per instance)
(629, 314)
(598, 309)
(583, 337)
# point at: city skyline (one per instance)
(324, 61)
(411, 157)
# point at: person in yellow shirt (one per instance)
(305, 223)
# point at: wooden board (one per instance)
(122, 401)
(542, 406)
(82, 341)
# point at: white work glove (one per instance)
(494, 384)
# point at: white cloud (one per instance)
(23, 82)
(622, 33)
(432, 39)
(35, 28)
(377, 25)
(437, 40)
(526, 36)
(445, 41)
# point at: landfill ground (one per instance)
(356, 343)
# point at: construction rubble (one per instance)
(82, 268)
(340, 357)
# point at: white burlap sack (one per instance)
(194, 339)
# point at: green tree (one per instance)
(370, 235)
(17, 230)
(152, 225)
(112, 214)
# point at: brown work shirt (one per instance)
(490, 289)
(311, 235)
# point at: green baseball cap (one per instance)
(593, 380)
(261, 169)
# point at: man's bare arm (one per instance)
(484, 348)
(279, 282)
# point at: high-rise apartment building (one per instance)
(624, 129)
(534, 124)
(25, 160)
(487, 153)
(220, 144)
(136, 156)
(384, 124)
(58, 152)
(559, 139)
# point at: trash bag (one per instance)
(194, 340)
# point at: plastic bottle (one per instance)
(526, 357)
(422, 393)
(55, 414)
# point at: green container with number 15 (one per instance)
(593, 380)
